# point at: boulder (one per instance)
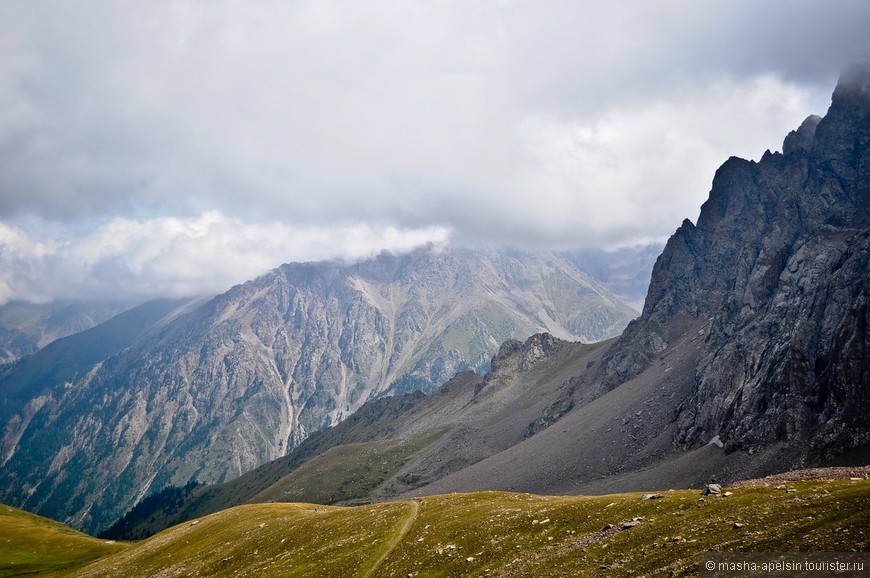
(712, 490)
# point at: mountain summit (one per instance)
(751, 354)
(774, 281)
(231, 383)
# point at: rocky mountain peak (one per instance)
(774, 277)
(516, 356)
(802, 137)
(842, 138)
(854, 85)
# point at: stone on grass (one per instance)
(712, 490)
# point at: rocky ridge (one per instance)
(246, 376)
(751, 354)
(773, 278)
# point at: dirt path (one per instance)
(403, 530)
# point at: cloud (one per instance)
(170, 256)
(627, 172)
(562, 123)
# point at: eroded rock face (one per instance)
(775, 274)
(245, 377)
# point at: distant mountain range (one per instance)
(206, 390)
(25, 328)
(750, 357)
(624, 271)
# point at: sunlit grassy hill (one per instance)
(31, 545)
(495, 534)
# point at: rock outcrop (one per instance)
(774, 280)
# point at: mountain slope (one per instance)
(248, 375)
(64, 359)
(25, 328)
(506, 534)
(36, 546)
(395, 444)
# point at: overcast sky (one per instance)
(171, 147)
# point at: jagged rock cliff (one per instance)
(751, 354)
(774, 279)
(246, 376)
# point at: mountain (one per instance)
(773, 278)
(625, 271)
(395, 444)
(241, 379)
(750, 357)
(751, 354)
(25, 328)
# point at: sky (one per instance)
(170, 148)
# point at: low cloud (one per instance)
(557, 124)
(170, 256)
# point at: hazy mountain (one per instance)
(25, 328)
(65, 360)
(244, 377)
(751, 356)
(625, 271)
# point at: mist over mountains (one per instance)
(750, 357)
(419, 288)
(25, 327)
(208, 390)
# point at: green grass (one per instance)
(31, 545)
(265, 540)
(526, 535)
(347, 473)
(503, 534)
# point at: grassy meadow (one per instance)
(478, 534)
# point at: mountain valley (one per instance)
(750, 358)
(219, 386)
(317, 386)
